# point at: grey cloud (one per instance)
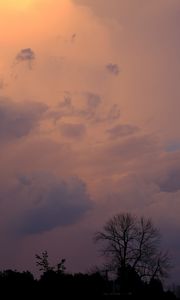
(93, 100)
(71, 130)
(171, 183)
(113, 69)
(64, 109)
(66, 102)
(67, 108)
(18, 119)
(91, 111)
(26, 55)
(114, 113)
(95, 114)
(55, 203)
(172, 147)
(133, 147)
(25, 180)
(122, 130)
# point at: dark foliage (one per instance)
(131, 248)
(58, 285)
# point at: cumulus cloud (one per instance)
(92, 78)
(113, 69)
(122, 130)
(19, 119)
(26, 55)
(73, 130)
(54, 202)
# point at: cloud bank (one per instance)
(54, 203)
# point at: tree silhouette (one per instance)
(42, 261)
(60, 267)
(131, 245)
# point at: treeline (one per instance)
(61, 285)
(133, 256)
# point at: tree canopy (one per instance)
(132, 245)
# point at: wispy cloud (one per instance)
(122, 130)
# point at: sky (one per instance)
(89, 125)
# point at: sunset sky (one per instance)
(89, 125)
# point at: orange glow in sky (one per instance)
(15, 4)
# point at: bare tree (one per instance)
(132, 243)
(42, 261)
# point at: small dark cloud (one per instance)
(19, 119)
(73, 130)
(113, 69)
(26, 55)
(56, 203)
(93, 100)
(73, 37)
(122, 130)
